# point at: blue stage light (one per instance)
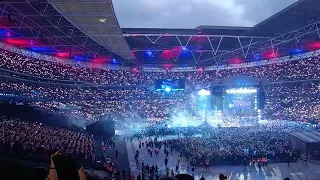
(257, 56)
(79, 58)
(167, 89)
(149, 53)
(297, 51)
(114, 61)
(42, 49)
(184, 48)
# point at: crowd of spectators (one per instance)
(294, 96)
(294, 101)
(157, 109)
(307, 68)
(235, 146)
(61, 93)
(25, 140)
(85, 110)
(298, 100)
(291, 101)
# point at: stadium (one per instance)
(84, 98)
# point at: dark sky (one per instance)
(193, 13)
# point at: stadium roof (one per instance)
(292, 17)
(291, 31)
(87, 30)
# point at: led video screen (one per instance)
(169, 85)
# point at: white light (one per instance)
(241, 91)
(203, 92)
(103, 20)
(167, 89)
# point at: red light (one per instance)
(99, 59)
(166, 55)
(314, 46)
(235, 60)
(62, 55)
(167, 66)
(269, 54)
(200, 70)
(134, 70)
(175, 51)
(18, 42)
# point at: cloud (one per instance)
(259, 10)
(193, 13)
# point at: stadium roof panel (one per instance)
(208, 30)
(292, 28)
(293, 16)
(96, 19)
(69, 26)
(90, 28)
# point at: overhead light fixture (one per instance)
(103, 20)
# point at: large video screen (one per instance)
(240, 101)
(169, 85)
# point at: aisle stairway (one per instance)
(122, 162)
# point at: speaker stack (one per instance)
(105, 128)
(217, 97)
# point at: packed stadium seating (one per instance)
(296, 101)
(24, 139)
(293, 95)
(287, 71)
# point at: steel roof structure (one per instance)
(87, 30)
(75, 27)
(293, 30)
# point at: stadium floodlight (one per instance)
(241, 91)
(167, 89)
(204, 92)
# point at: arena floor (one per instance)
(279, 171)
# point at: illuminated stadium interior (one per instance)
(72, 79)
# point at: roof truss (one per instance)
(221, 49)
